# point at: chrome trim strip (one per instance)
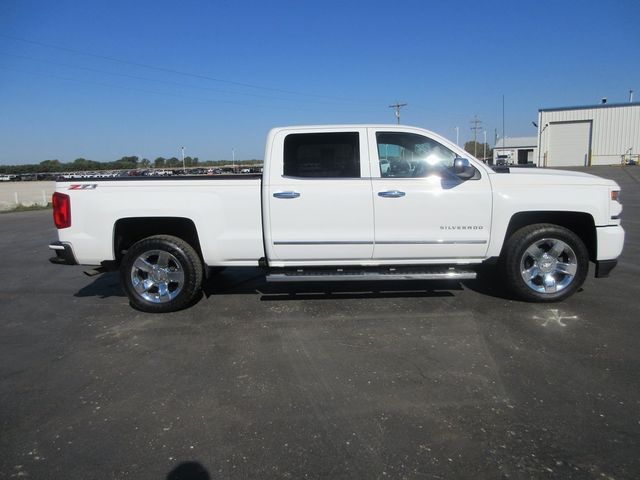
(434, 242)
(436, 260)
(324, 243)
(427, 242)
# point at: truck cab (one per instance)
(372, 195)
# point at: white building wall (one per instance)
(615, 129)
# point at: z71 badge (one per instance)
(83, 186)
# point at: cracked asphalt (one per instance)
(417, 380)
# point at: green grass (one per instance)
(27, 208)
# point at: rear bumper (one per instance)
(64, 254)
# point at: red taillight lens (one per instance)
(61, 210)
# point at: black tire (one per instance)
(544, 263)
(161, 274)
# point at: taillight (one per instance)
(61, 210)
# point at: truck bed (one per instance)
(225, 210)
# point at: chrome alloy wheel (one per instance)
(548, 265)
(157, 276)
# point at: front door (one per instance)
(422, 209)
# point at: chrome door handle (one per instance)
(286, 194)
(391, 194)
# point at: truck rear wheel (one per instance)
(545, 263)
(161, 274)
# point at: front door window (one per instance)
(407, 155)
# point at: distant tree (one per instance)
(478, 149)
(144, 163)
(80, 164)
(159, 162)
(189, 161)
(173, 162)
(48, 166)
(125, 163)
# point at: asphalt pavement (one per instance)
(386, 380)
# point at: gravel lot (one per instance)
(368, 381)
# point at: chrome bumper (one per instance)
(64, 254)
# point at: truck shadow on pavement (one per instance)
(103, 286)
(489, 283)
(252, 281)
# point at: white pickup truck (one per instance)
(348, 202)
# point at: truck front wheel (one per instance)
(545, 263)
(161, 274)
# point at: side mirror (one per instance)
(463, 169)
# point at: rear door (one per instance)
(320, 207)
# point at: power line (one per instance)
(171, 70)
(157, 80)
(122, 87)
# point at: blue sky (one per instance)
(76, 77)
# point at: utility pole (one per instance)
(476, 126)
(484, 156)
(184, 170)
(503, 134)
(398, 106)
(233, 157)
(457, 136)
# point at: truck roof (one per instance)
(393, 126)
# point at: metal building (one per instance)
(602, 134)
(515, 150)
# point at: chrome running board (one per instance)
(369, 275)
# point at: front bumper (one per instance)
(604, 267)
(610, 242)
(64, 254)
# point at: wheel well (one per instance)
(128, 231)
(580, 223)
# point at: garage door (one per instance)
(569, 144)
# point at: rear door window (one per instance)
(322, 155)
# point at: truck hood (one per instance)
(547, 176)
